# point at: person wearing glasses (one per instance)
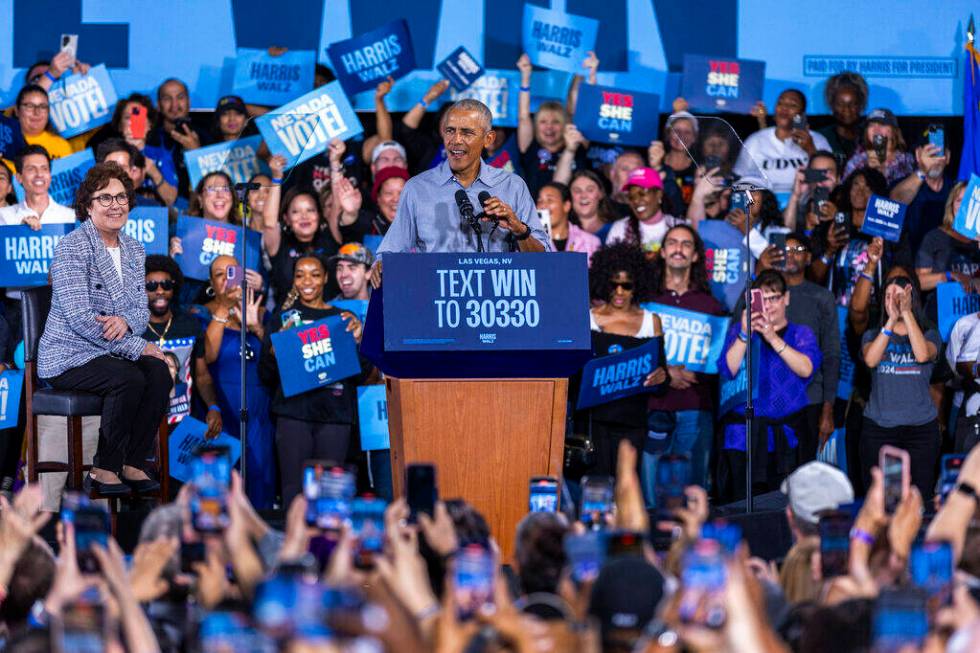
(33, 112)
(812, 305)
(92, 339)
(174, 331)
(786, 355)
(33, 165)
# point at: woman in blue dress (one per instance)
(221, 350)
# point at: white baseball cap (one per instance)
(816, 487)
(387, 145)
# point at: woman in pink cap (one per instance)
(647, 223)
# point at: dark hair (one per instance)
(798, 93)
(844, 628)
(9, 198)
(847, 81)
(168, 81)
(196, 207)
(902, 282)
(161, 263)
(620, 257)
(801, 238)
(471, 527)
(292, 194)
(27, 90)
(36, 64)
(875, 180)
(112, 145)
(139, 98)
(771, 279)
(32, 577)
(823, 154)
(606, 212)
(699, 268)
(95, 180)
(27, 151)
(566, 194)
(325, 72)
(633, 223)
(539, 552)
(769, 213)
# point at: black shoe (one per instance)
(143, 486)
(106, 489)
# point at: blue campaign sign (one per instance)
(722, 83)
(556, 39)
(356, 306)
(884, 217)
(691, 339)
(372, 414)
(372, 242)
(485, 302)
(238, 158)
(610, 115)
(148, 224)
(205, 240)
(724, 254)
(733, 391)
(967, 220)
(304, 127)
(315, 355)
(499, 90)
(66, 175)
(362, 62)
(11, 138)
(953, 303)
(845, 384)
(460, 68)
(80, 103)
(612, 377)
(261, 78)
(185, 441)
(27, 254)
(11, 383)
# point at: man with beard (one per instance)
(813, 306)
(177, 333)
(681, 281)
(352, 265)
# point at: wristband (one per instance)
(887, 332)
(525, 89)
(865, 275)
(214, 407)
(47, 73)
(426, 613)
(863, 536)
(276, 180)
(526, 234)
(783, 348)
(744, 337)
(425, 105)
(965, 488)
(826, 260)
(949, 275)
(219, 320)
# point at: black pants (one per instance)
(606, 437)
(298, 441)
(135, 396)
(922, 443)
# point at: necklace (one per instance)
(163, 335)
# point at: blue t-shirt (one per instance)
(900, 384)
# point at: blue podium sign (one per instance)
(480, 315)
(27, 254)
(315, 355)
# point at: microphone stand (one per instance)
(242, 190)
(747, 298)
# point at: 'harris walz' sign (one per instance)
(364, 61)
(27, 254)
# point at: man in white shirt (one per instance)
(779, 151)
(34, 174)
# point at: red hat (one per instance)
(644, 178)
(384, 175)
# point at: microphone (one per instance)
(464, 204)
(247, 186)
(484, 197)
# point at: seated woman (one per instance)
(93, 342)
(621, 277)
(317, 423)
(787, 355)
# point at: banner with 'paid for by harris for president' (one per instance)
(315, 355)
(82, 102)
(304, 127)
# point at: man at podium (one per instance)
(464, 204)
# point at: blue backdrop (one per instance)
(910, 53)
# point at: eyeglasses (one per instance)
(798, 249)
(122, 199)
(34, 107)
(625, 285)
(772, 299)
(168, 285)
(214, 190)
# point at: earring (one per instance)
(209, 291)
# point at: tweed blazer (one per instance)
(85, 284)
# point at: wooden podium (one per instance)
(487, 438)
